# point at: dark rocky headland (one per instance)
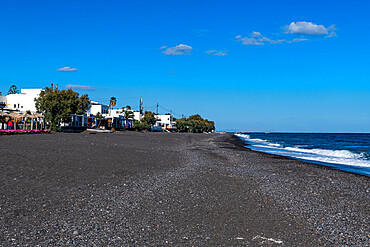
(158, 189)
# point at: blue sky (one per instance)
(233, 62)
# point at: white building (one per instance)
(24, 101)
(113, 113)
(164, 122)
(121, 112)
(2, 101)
(137, 115)
(96, 107)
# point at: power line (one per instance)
(173, 113)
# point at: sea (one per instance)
(347, 152)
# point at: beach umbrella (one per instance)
(25, 116)
(16, 116)
(32, 117)
(38, 115)
(4, 114)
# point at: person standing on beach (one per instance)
(10, 125)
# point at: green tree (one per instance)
(128, 107)
(13, 89)
(149, 118)
(196, 117)
(194, 124)
(58, 105)
(182, 125)
(146, 121)
(98, 118)
(83, 104)
(129, 114)
(141, 126)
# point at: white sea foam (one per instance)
(342, 157)
(325, 152)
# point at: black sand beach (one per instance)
(157, 189)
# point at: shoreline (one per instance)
(165, 189)
(339, 167)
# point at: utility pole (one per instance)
(157, 109)
(141, 105)
(52, 87)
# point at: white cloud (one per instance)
(331, 29)
(221, 53)
(80, 87)
(180, 49)
(302, 28)
(256, 38)
(271, 41)
(299, 40)
(309, 28)
(67, 69)
(256, 34)
(217, 53)
(248, 41)
(211, 51)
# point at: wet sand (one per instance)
(156, 189)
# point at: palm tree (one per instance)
(99, 118)
(13, 89)
(129, 114)
(113, 101)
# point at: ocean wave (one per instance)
(342, 157)
(329, 153)
(247, 137)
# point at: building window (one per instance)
(21, 106)
(15, 105)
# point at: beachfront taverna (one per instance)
(110, 118)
